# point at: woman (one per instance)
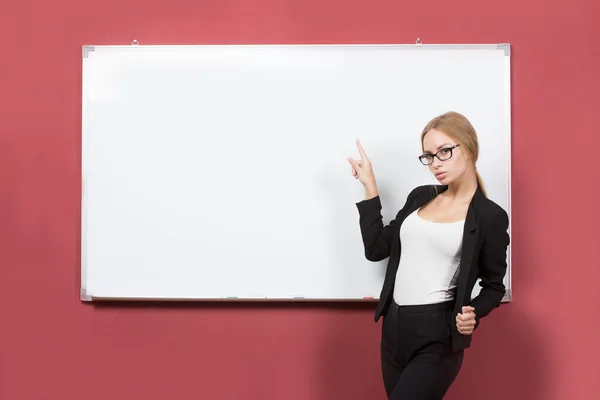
(443, 239)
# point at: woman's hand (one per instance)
(465, 321)
(363, 170)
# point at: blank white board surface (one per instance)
(214, 172)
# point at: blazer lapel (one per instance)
(426, 197)
(468, 245)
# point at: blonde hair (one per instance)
(458, 127)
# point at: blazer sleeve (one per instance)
(492, 266)
(377, 237)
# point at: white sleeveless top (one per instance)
(429, 261)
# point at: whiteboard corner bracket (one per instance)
(83, 296)
(85, 51)
(506, 47)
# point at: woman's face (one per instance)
(453, 163)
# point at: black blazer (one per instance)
(483, 254)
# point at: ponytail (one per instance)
(480, 183)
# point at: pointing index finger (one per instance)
(363, 155)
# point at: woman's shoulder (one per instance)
(491, 212)
(426, 189)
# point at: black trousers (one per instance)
(416, 351)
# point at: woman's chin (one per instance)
(444, 180)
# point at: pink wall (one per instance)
(54, 347)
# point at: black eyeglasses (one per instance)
(442, 155)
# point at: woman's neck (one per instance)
(463, 189)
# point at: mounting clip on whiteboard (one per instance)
(418, 41)
(135, 43)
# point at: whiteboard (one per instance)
(220, 171)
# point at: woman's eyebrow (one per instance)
(439, 147)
